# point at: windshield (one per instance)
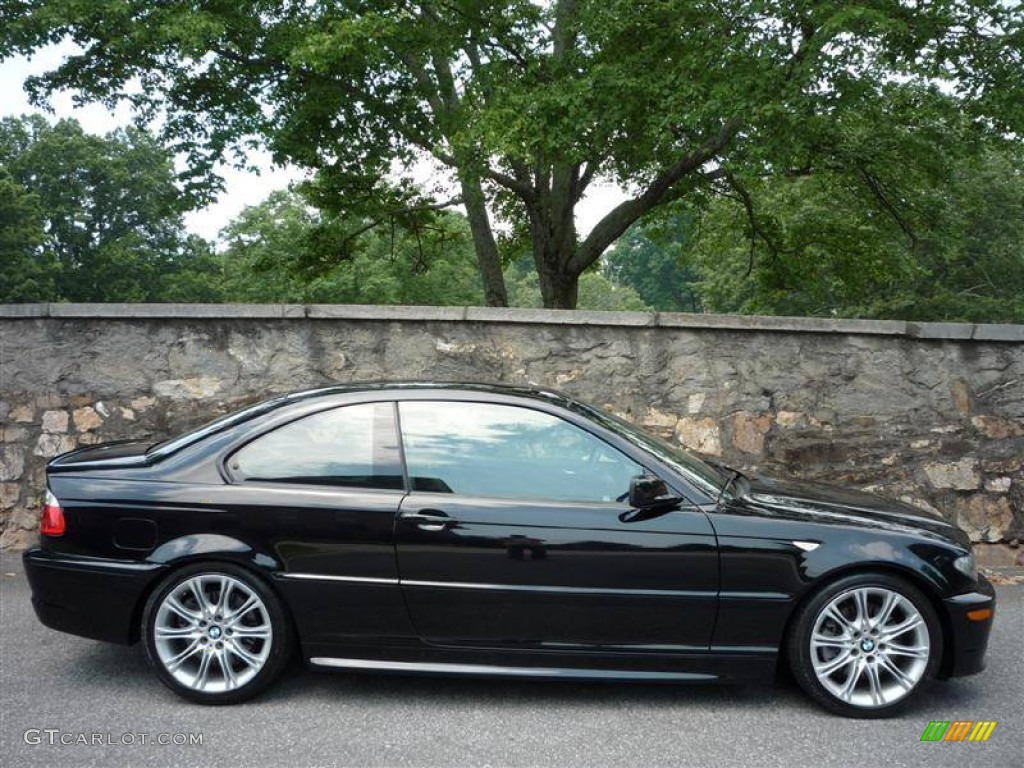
(706, 477)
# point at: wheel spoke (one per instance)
(860, 601)
(846, 692)
(230, 679)
(179, 633)
(222, 595)
(200, 597)
(897, 674)
(176, 661)
(830, 641)
(833, 613)
(237, 614)
(913, 651)
(871, 671)
(175, 605)
(262, 632)
(204, 669)
(891, 601)
(908, 624)
(829, 668)
(245, 655)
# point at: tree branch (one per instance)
(586, 175)
(618, 220)
(755, 227)
(875, 186)
(395, 213)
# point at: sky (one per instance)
(241, 188)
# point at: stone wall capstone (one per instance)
(930, 413)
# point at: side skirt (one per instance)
(493, 670)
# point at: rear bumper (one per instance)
(89, 597)
(969, 637)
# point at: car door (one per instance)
(511, 537)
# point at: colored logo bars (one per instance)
(958, 730)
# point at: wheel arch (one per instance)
(210, 548)
(923, 585)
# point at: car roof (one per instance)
(519, 390)
(264, 407)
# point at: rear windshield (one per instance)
(173, 444)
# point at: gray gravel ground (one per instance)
(50, 680)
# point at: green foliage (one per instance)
(26, 271)
(527, 103)
(955, 254)
(89, 218)
(652, 258)
(282, 250)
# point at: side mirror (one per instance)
(648, 491)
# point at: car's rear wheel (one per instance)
(215, 633)
(865, 645)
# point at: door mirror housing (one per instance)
(650, 492)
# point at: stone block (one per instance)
(700, 434)
(12, 461)
(86, 419)
(962, 475)
(55, 421)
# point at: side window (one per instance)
(504, 451)
(354, 446)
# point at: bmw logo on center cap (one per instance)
(214, 632)
(867, 644)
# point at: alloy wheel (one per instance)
(212, 633)
(869, 647)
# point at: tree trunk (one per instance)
(488, 260)
(553, 235)
(559, 291)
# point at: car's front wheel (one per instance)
(864, 645)
(215, 633)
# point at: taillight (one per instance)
(51, 521)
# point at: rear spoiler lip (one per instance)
(61, 464)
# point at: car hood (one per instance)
(844, 506)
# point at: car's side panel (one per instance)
(564, 575)
(772, 558)
(336, 555)
(329, 551)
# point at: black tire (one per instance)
(876, 691)
(244, 655)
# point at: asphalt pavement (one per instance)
(57, 688)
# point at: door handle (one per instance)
(428, 519)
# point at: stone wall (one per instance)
(930, 413)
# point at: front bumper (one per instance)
(90, 597)
(969, 638)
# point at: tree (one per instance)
(820, 247)
(525, 103)
(26, 271)
(283, 250)
(90, 218)
(652, 259)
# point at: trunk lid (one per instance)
(120, 453)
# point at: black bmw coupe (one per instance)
(493, 530)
